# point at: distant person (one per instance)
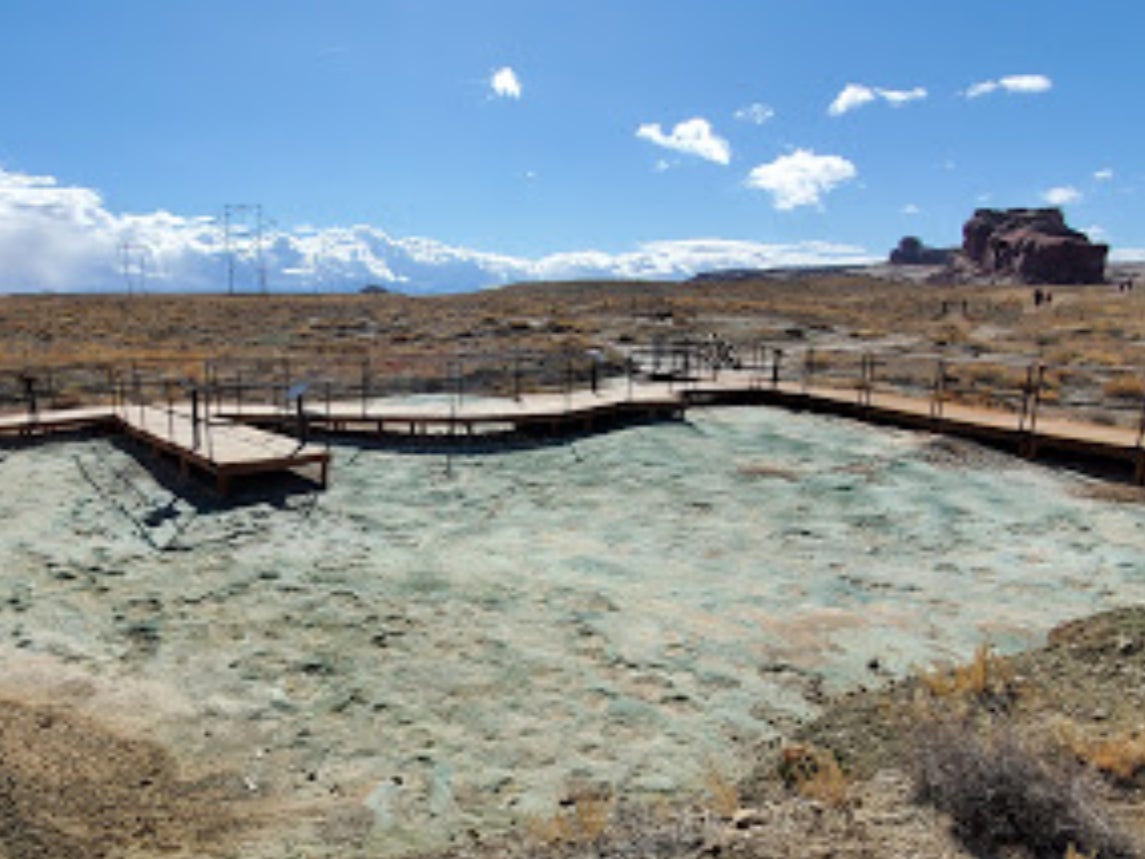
(28, 382)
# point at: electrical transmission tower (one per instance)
(133, 261)
(243, 229)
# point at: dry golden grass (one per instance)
(958, 679)
(1073, 853)
(583, 819)
(813, 773)
(1120, 757)
(722, 795)
(985, 675)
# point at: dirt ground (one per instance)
(1071, 712)
(73, 787)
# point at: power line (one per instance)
(243, 229)
(133, 262)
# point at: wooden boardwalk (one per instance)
(236, 441)
(1031, 435)
(543, 415)
(24, 425)
(218, 448)
(618, 404)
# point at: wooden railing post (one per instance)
(939, 389)
(194, 417)
(1141, 424)
(1038, 382)
(1027, 390)
(365, 385)
(630, 370)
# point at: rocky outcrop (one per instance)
(911, 251)
(1032, 245)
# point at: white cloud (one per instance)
(1026, 83)
(55, 237)
(1062, 195)
(757, 113)
(662, 165)
(692, 137)
(681, 259)
(980, 89)
(1103, 175)
(852, 96)
(899, 97)
(505, 84)
(801, 178)
(1010, 83)
(911, 209)
(1127, 255)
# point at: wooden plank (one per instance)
(62, 420)
(217, 446)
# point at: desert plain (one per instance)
(716, 637)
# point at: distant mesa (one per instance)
(1032, 246)
(911, 251)
(1019, 245)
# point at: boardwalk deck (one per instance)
(1030, 435)
(233, 442)
(61, 420)
(544, 414)
(218, 448)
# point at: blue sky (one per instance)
(549, 138)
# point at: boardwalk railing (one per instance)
(1017, 401)
(1100, 393)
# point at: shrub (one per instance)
(813, 773)
(1120, 758)
(986, 679)
(1001, 795)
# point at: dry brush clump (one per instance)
(813, 773)
(1000, 794)
(1002, 791)
(985, 681)
(1120, 758)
